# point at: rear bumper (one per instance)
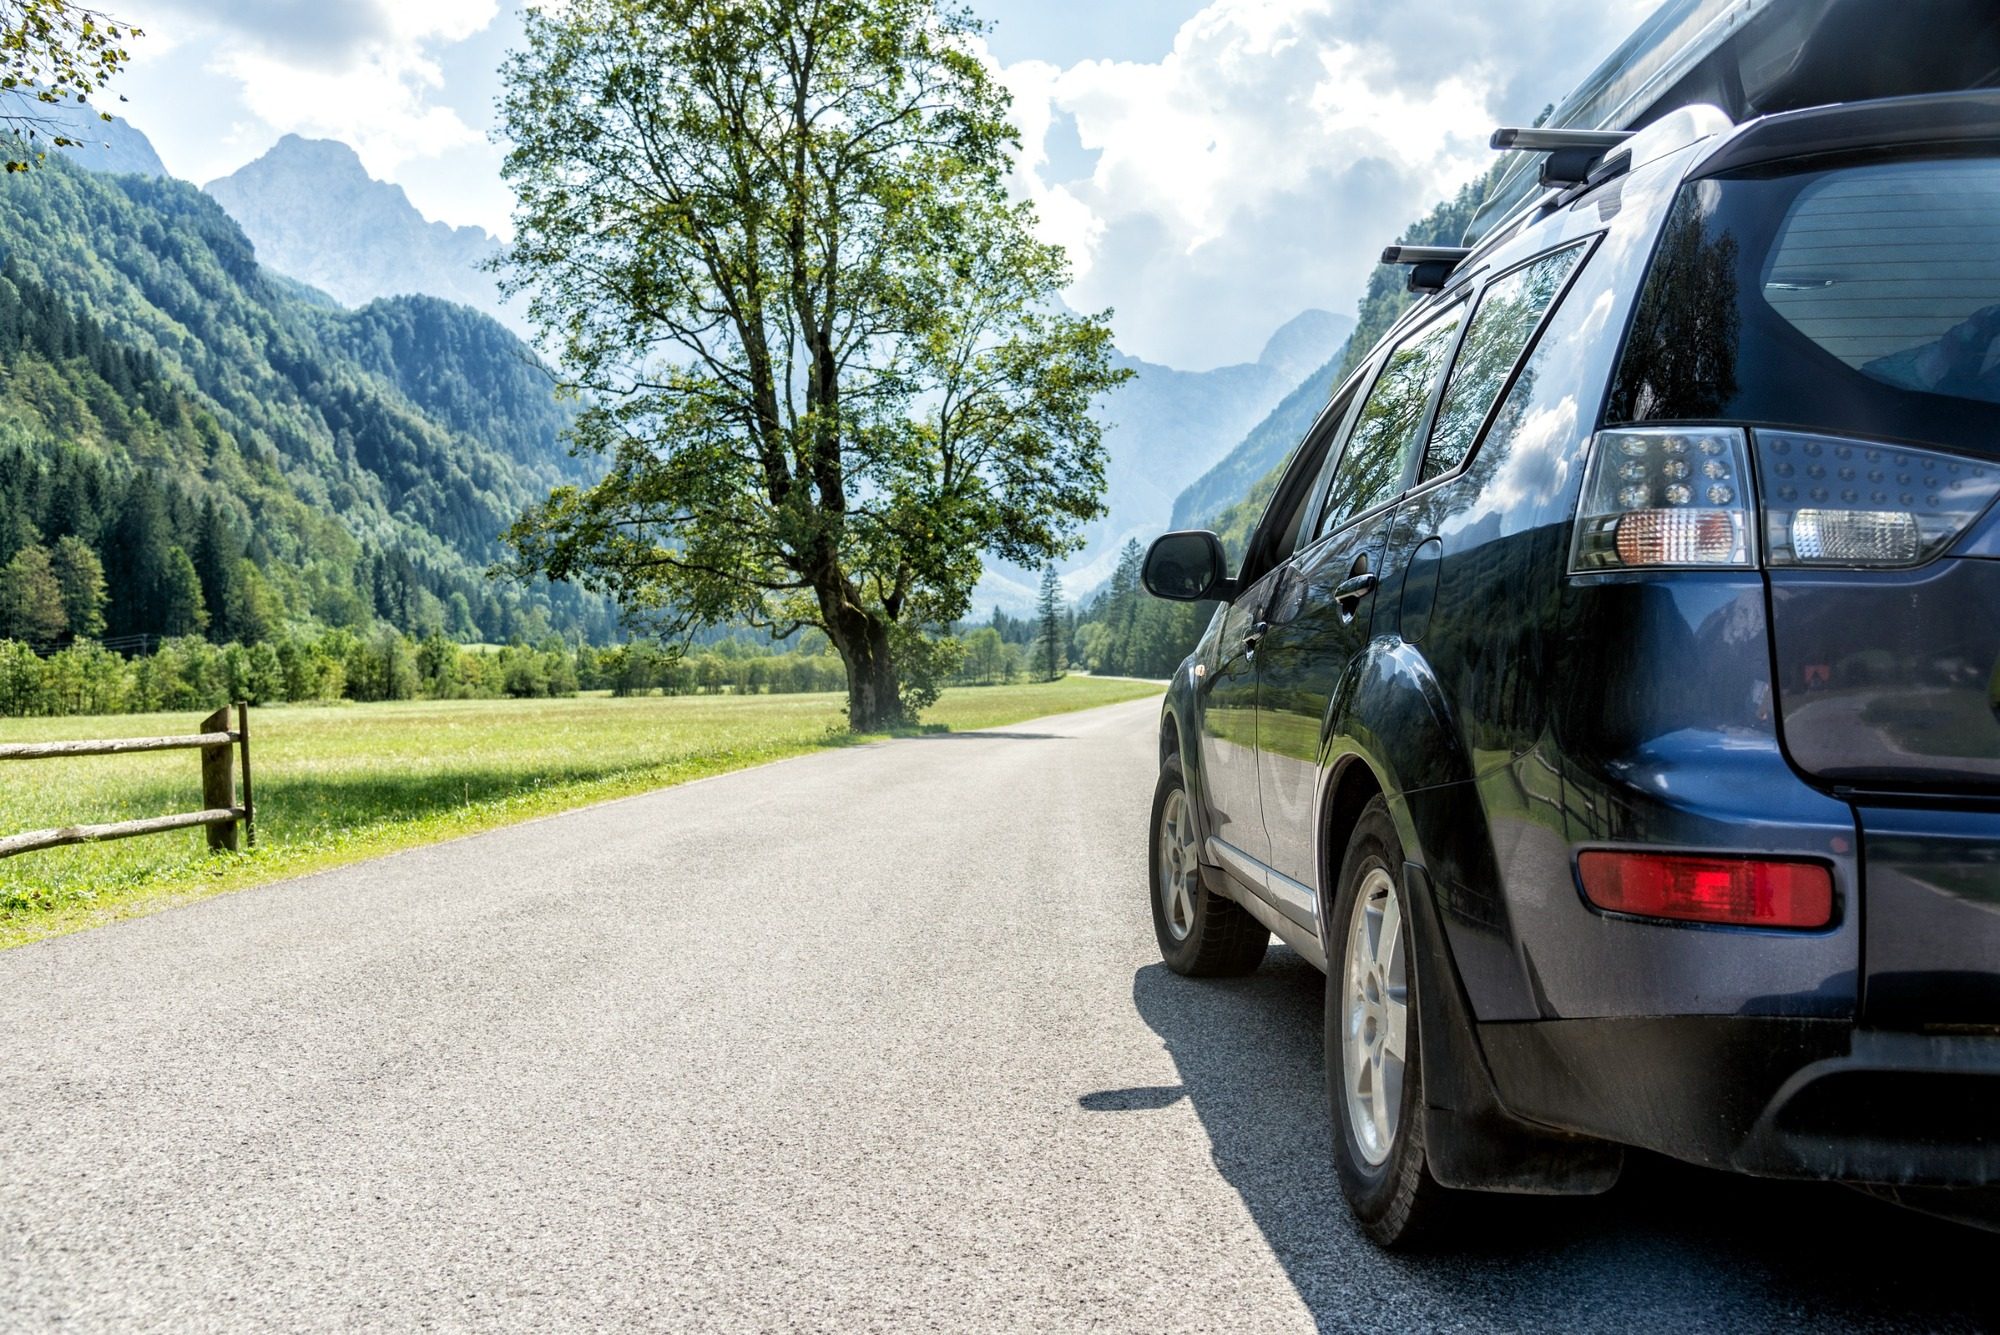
(1774, 1097)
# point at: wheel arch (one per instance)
(1390, 733)
(1349, 785)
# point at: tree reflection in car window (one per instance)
(1680, 361)
(1509, 311)
(1378, 450)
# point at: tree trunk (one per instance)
(874, 692)
(861, 637)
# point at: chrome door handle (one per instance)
(1255, 637)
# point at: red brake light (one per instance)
(1741, 892)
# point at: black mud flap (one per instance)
(1471, 1142)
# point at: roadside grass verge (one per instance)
(339, 783)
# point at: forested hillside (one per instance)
(239, 454)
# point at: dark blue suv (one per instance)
(1609, 699)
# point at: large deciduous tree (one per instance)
(817, 341)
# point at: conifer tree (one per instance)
(80, 576)
(136, 560)
(181, 609)
(217, 560)
(31, 602)
(1049, 611)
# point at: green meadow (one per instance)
(337, 783)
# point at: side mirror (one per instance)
(1188, 567)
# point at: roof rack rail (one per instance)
(1425, 254)
(1573, 155)
(1537, 140)
(1430, 266)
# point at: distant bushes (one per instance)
(190, 673)
(1116, 634)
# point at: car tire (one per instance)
(1375, 1091)
(1201, 933)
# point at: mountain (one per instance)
(313, 212)
(1267, 444)
(170, 402)
(1230, 496)
(1161, 429)
(1165, 426)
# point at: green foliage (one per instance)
(821, 345)
(189, 672)
(80, 576)
(183, 610)
(1049, 612)
(31, 598)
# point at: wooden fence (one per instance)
(216, 741)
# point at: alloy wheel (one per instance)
(1376, 1033)
(1177, 864)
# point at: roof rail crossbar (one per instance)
(1430, 266)
(1536, 140)
(1425, 254)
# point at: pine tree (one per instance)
(31, 602)
(136, 560)
(1049, 612)
(217, 557)
(81, 577)
(181, 608)
(252, 612)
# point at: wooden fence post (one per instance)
(218, 782)
(243, 740)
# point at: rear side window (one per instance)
(1857, 300)
(1384, 439)
(1509, 312)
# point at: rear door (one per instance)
(1324, 602)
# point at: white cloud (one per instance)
(1259, 167)
(362, 71)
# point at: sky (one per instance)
(1213, 166)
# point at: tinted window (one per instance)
(1384, 438)
(1509, 311)
(1858, 300)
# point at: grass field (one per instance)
(339, 783)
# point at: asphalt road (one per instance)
(868, 1040)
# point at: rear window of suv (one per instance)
(1861, 300)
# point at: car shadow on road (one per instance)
(1671, 1247)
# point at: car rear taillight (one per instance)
(1660, 498)
(1834, 502)
(1657, 499)
(1737, 892)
